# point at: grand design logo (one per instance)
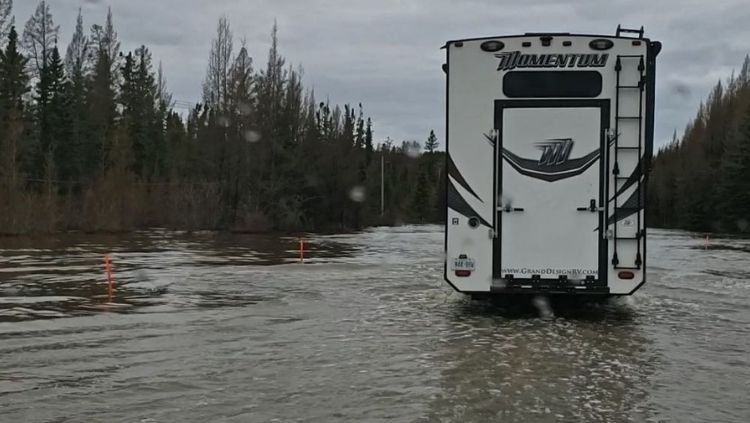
(510, 60)
(555, 151)
(555, 163)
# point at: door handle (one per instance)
(509, 209)
(591, 208)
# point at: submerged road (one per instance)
(220, 328)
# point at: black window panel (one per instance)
(540, 84)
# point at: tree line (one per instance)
(701, 181)
(90, 140)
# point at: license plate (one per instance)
(463, 264)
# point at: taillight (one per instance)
(626, 275)
(463, 273)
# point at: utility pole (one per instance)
(382, 184)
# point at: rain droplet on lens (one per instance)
(252, 136)
(357, 194)
(542, 305)
(505, 200)
(742, 225)
(681, 89)
(413, 149)
(312, 180)
(245, 108)
(444, 255)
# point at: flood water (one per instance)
(229, 328)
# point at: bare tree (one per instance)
(241, 80)
(105, 43)
(40, 37)
(164, 96)
(6, 18)
(216, 84)
(77, 54)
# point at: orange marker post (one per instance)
(108, 272)
(301, 250)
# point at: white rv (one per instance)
(549, 139)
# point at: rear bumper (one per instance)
(548, 291)
(561, 286)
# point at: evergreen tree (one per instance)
(432, 143)
(699, 182)
(140, 112)
(13, 78)
(421, 200)
(101, 95)
(13, 88)
(744, 76)
(368, 142)
(51, 110)
(260, 153)
(360, 134)
(77, 64)
(734, 188)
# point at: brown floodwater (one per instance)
(231, 328)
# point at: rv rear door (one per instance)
(549, 182)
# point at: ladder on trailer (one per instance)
(621, 176)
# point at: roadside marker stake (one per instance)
(301, 250)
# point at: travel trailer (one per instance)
(549, 141)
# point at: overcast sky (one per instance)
(386, 53)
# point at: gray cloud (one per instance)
(386, 53)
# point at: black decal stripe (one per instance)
(457, 203)
(628, 208)
(632, 179)
(549, 177)
(532, 171)
(456, 175)
(490, 139)
(533, 165)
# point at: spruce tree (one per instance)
(734, 188)
(77, 66)
(13, 78)
(13, 87)
(101, 96)
(368, 142)
(52, 118)
(432, 142)
(140, 114)
(421, 200)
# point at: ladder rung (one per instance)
(628, 86)
(622, 178)
(629, 56)
(629, 208)
(627, 148)
(629, 117)
(627, 238)
(627, 268)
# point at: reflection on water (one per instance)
(51, 277)
(208, 327)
